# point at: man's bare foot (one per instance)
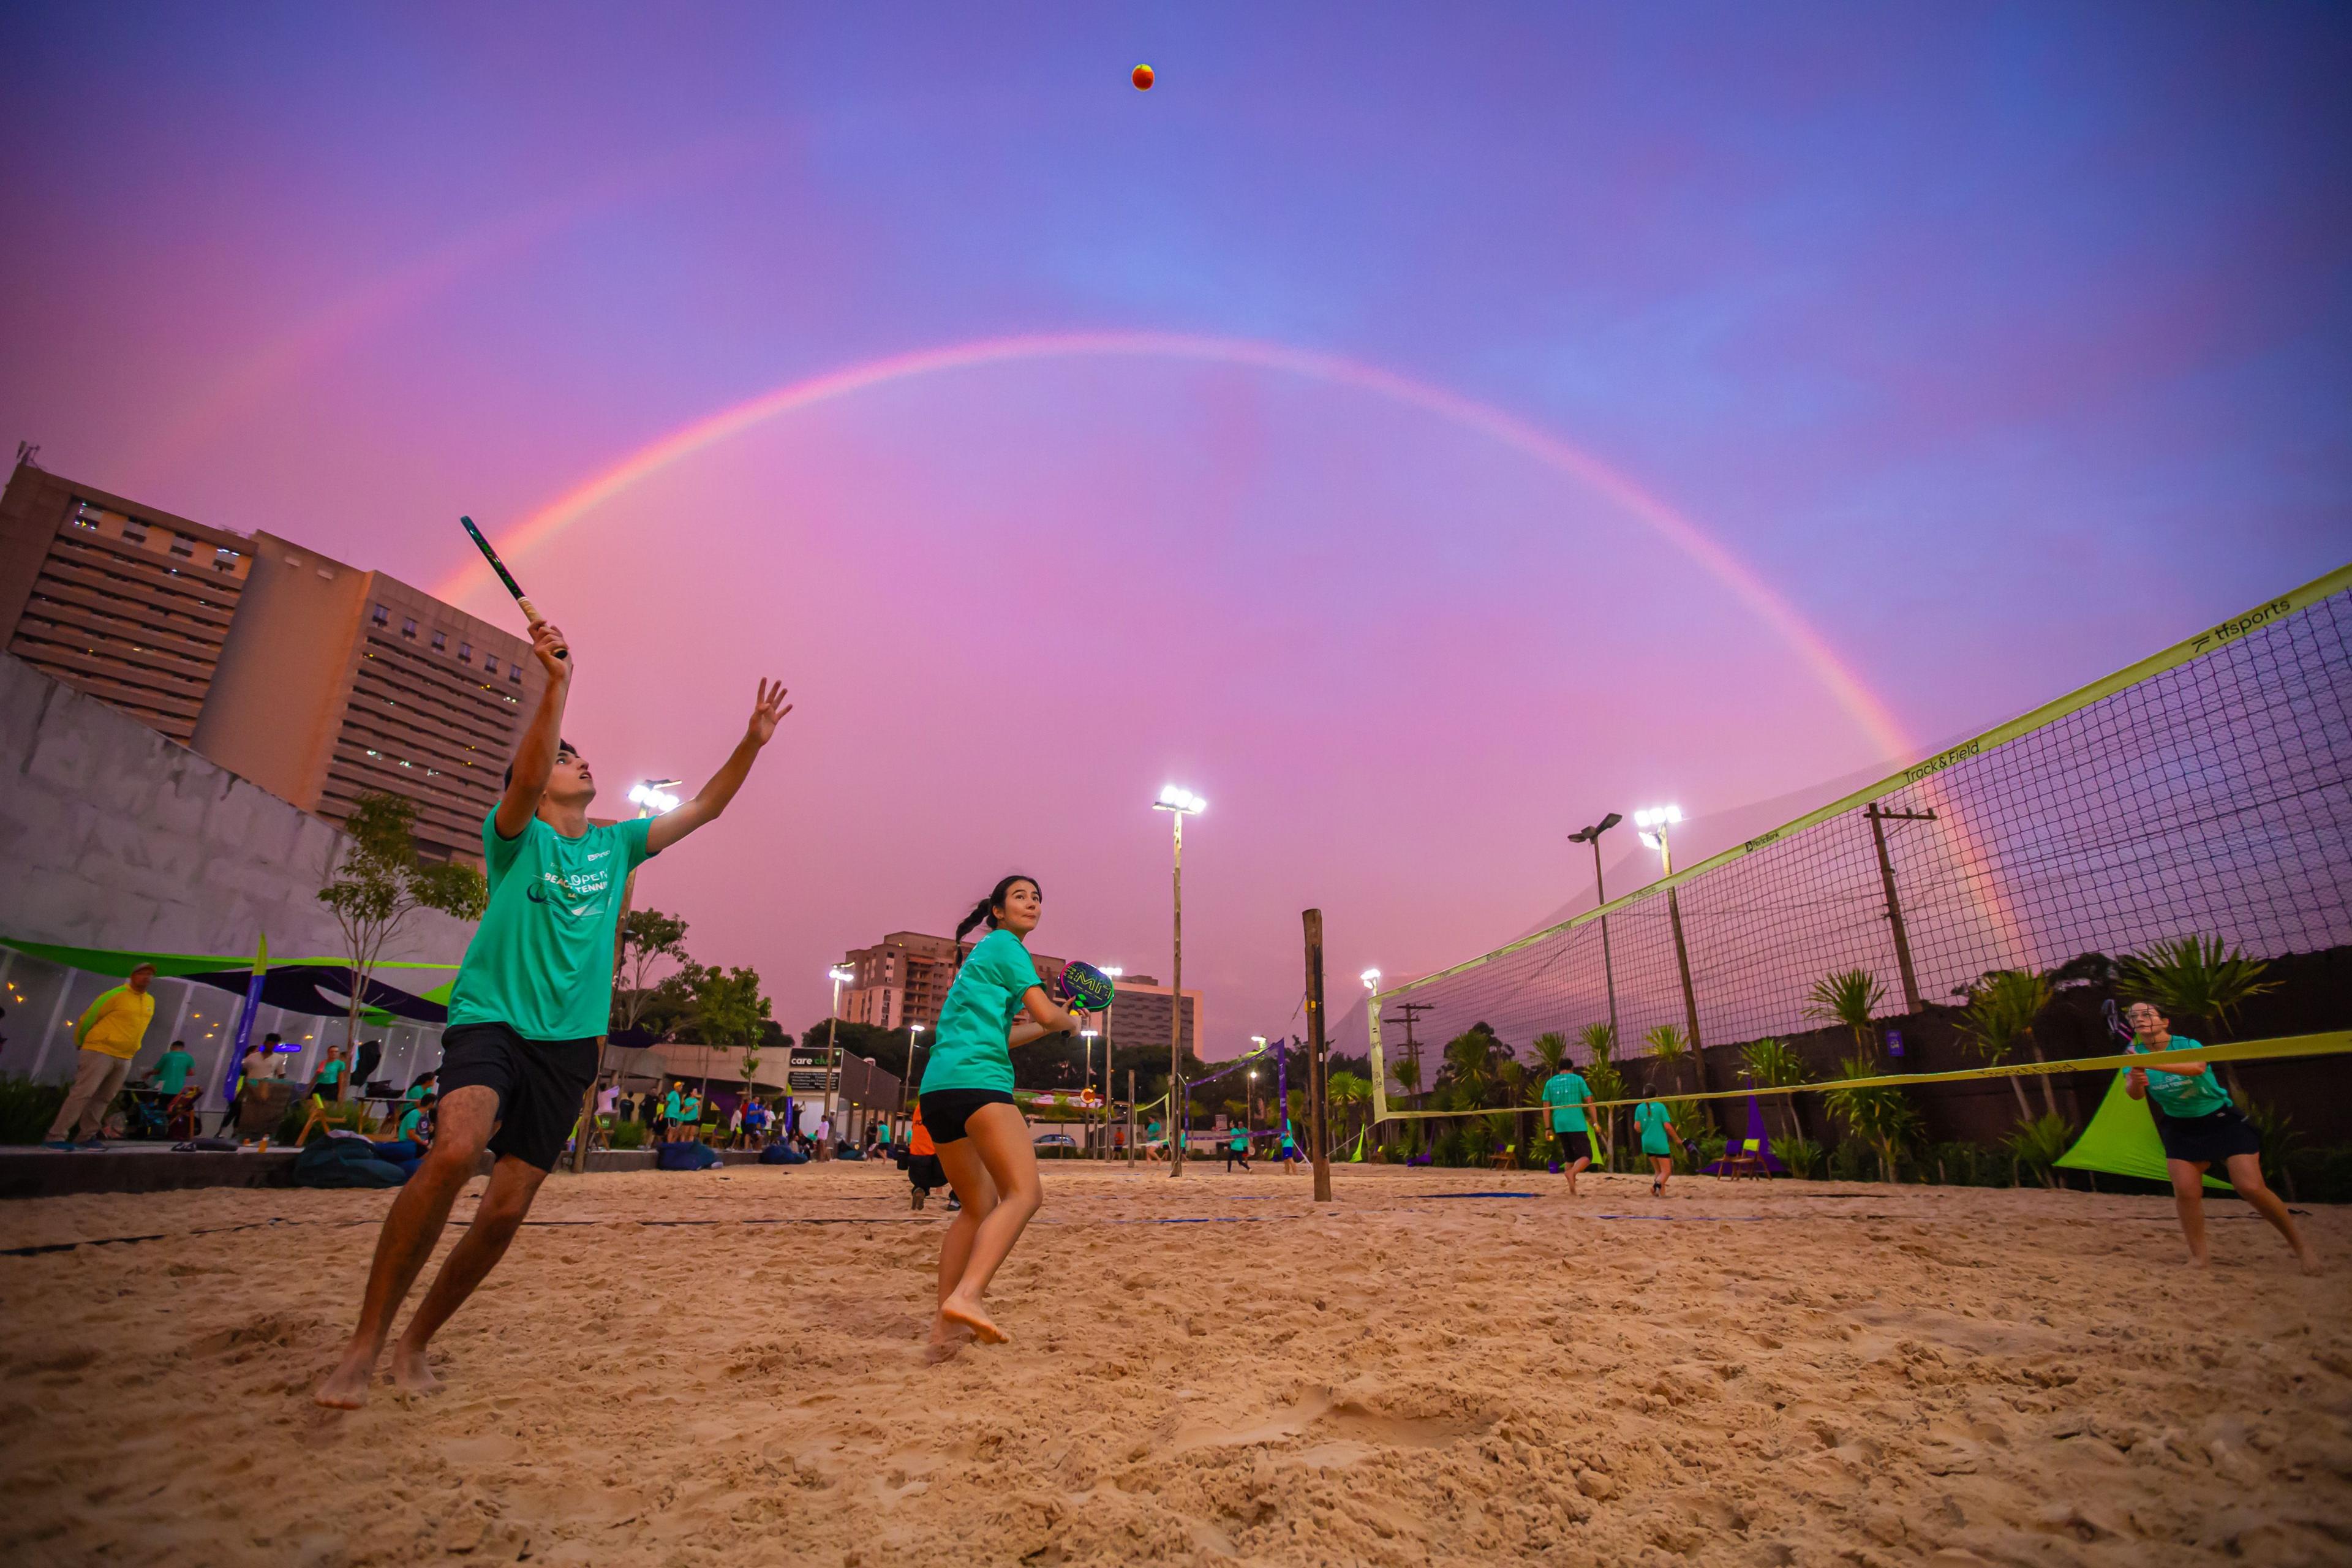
(346, 1387)
(2308, 1258)
(982, 1329)
(410, 1372)
(2193, 1261)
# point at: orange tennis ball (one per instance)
(1143, 79)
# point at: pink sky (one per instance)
(2002, 351)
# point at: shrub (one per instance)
(1851, 1160)
(26, 1107)
(629, 1135)
(2039, 1144)
(1801, 1155)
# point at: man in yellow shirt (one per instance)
(110, 1034)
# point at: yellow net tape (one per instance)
(2331, 1043)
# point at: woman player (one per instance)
(967, 1103)
(2200, 1127)
(1656, 1125)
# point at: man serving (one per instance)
(533, 994)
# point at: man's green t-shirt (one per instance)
(2183, 1098)
(1240, 1143)
(969, 1051)
(1566, 1093)
(541, 961)
(1653, 1118)
(671, 1110)
(172, 1070)
(330, 1071)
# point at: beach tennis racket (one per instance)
(1085, 984)
(506, 576)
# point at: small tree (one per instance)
(728, 1010)
(648, 939)
(378, 884)
(1599, 1041)
(1774, 1064)
(1851, 997)
(1669, 1047)
(1882, 1118)
(2001, 1008)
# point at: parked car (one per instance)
(1055, 1143)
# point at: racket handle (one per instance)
(530, 614)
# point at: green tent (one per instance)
(2121, 1140)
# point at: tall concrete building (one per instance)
(122, 602)
(904, 978)
(334, 681)
(312, 678)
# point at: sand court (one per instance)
(724, 1367)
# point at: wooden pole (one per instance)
(1130, 1116)
(1315, 1130)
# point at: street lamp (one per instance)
(1086, 1072)
(1653, 823)
(912, 1031)
(1371, 979)
(1600, 896)
(1114, 970)
(837, 973)
(1252, 1111)
(653, 797)
(1179, 804)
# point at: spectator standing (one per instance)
(109, 1034)
(327, 1083)
(170, 1073)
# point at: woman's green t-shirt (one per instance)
(1654, 1120)
(969, 1051)
(2184, 1098)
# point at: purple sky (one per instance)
(2005, 347)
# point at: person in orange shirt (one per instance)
(923, 1159)
(110, 1034)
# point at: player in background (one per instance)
(533, 994)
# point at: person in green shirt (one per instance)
(689, 1117)
(170, 1073)
(533, 996)
(327, 1082)
(1567, 1095)
(1237, 1148)
(1656, 1126)
(2201, 1127)
(996, 1002)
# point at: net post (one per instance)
(1380, 1064)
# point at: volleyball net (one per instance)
(2205, 791)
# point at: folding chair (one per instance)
(1746, 1160)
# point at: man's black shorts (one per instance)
(1574, 1146)
(945, 1110)
(539, 1082)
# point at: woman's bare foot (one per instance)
(982, 1329)
(2193, 1261)
(346, 1387)
(2308, 1258)
(410, 1375)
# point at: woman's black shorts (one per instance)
(2208, 1139)
(945, 1110)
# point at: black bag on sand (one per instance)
(687, 1156)
(344, 1162)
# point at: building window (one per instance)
(490, 664)
(133, 534)
(182, 545)
(440, 641)
(226, 562)
(408, 628)
(383, 616)
(514, 673)
(464, 653)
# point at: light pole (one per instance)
(1179, 804)
(1600, 896)
(1654, 824)
(1114, 970)
(837, 973)
(1086, 1073)
(912, 1031)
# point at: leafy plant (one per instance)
(648, 938)
(1775, 1064)
(2001, 1008)
(1669, 1047)
(2281, 1142)
(1551, 1050)
(1883, 1118)
(629, 1135)
(26, 1107)
(1801, 1155)
(379, 883)
(1602, 1077)
(2040, 1142)
(1850, 997)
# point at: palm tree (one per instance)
(1551, 1050)
(1469, 1070)
(2192, 977)
(1774, 1064)
(1850, 997)
(1669, 1046)
(1606, 1082)
(2000, 1012)
(1882, 1118)
(1345, 1093)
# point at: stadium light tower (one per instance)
(653, 797)
(1179, 804)
(1600, 896)
(1114, 970)
(1653, 823)
(837, 973)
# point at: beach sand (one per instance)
(1743, 1373)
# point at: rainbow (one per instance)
(1710, 555)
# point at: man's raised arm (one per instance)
(767, 709)
(534, 759)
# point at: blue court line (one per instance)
(1409, 1197)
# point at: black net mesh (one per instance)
(2212, 798)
